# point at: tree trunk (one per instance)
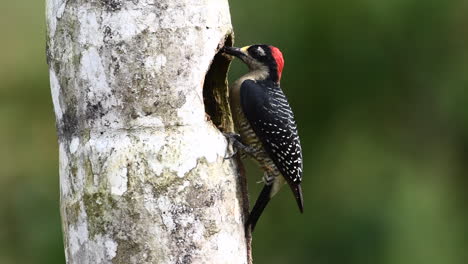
(143, 177)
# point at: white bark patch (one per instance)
(78, 232)
(91, 32)
(55, 90)
(165, 206)
(228, 245)
(93, 71)
(209, 145)
(111, 248)
(54, 10)
(63, 167)
(74, 145)
(118, 179)
(61, 9)
(114, 170)
(126, 24)
(187, 112)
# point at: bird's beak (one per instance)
(237, 52)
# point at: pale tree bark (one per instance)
(143, 177)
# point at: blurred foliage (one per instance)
(379, 89)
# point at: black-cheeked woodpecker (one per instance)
(265, 123)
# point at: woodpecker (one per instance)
(265, 124)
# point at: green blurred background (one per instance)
(380, 92)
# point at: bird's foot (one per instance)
(235, 141)
(267, 179)
(232, 138)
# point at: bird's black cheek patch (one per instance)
(215, 90)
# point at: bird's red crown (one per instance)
(278, 56)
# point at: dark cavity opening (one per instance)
(215, 91)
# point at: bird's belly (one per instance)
(250, 139)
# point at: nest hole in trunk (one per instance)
(215, 90)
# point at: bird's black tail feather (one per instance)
(297, 191)
(259, 206)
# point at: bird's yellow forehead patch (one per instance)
(244, 49)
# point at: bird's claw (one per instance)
(231, 155)
(235, 140)
(232, 138)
